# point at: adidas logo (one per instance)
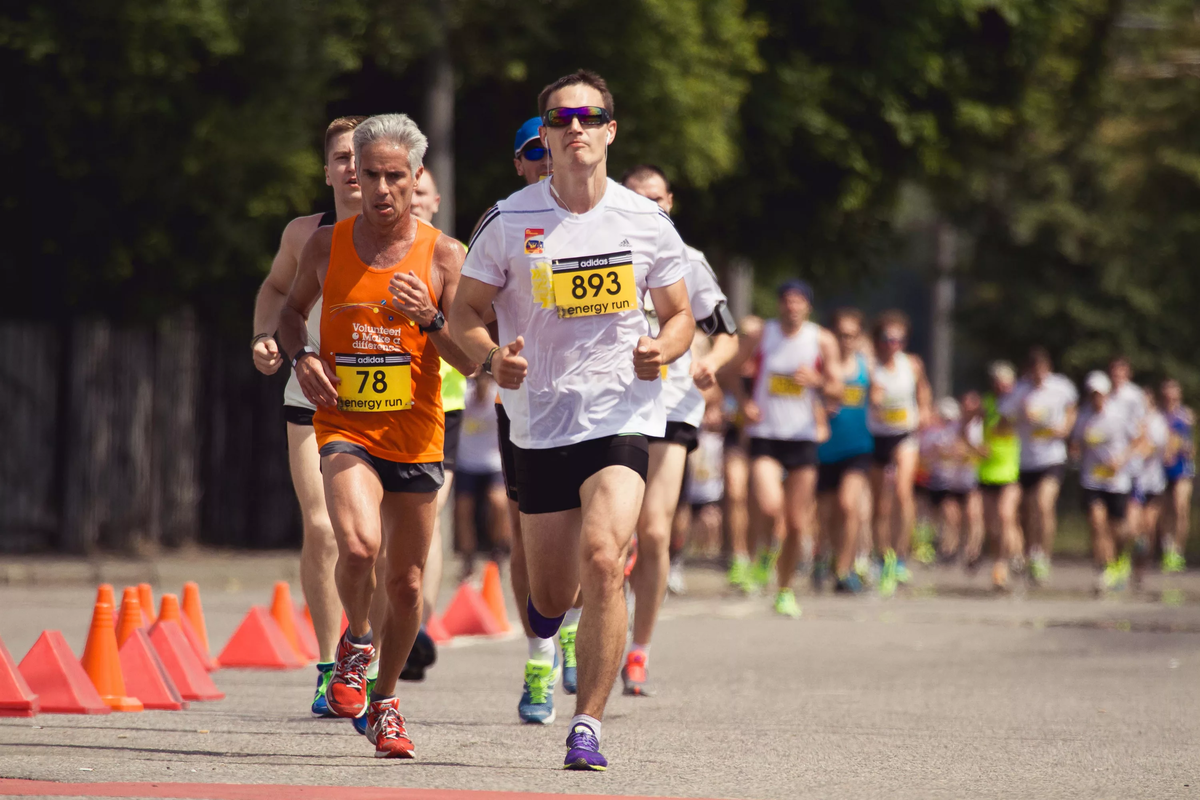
(624, 243)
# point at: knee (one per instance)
(603, 562)
(404, 588)
(359, 552)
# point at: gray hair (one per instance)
(396, 129)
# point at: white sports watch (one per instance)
(303, 350)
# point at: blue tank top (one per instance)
(848, 434)
(1182, 464)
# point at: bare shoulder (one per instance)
(917, 363)
(298, 231)
(751, 326)
(317, 246)
(448, 252)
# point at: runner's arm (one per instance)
(315, 376)
(1068, 425)
(831, 367)
(274, 291)
(924, 392)
(448, 260)
(676, 327)
(472, 304)
(731, 375)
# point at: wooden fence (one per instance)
(124, 439)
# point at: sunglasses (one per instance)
(588, 116)
(533, 153)
(894, 339)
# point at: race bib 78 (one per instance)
(374, 382)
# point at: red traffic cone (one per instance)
(16, 698)
(258, 643)
(102, 663)
(146, 677)
(54, 674)
(170, 611)
(436, 630)
(468, 615)
(184, 667)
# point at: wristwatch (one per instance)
(303, 350)
(439, 322)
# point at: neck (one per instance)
(790, 326)
(404, 225)
(346, 208)
(891, 359)
(579, 189)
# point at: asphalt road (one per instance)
(943, 692)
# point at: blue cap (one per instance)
(796, 285)
(526, 133)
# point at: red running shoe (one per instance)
(347, 692)
(385, 729)
(634, 674)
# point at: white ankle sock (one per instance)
(644, 649)
(591, 722)
(572, 617)
(541, 649)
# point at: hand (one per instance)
(751, 411)
(714, 417)
(647, 359)
(807, 376)
(411, 298)
(508, 367)
(317, 380)
(703, 375)
(267, 359)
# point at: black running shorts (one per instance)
(394, 475)
(680, 433)
(549, 480)
(792, 455)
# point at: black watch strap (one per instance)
(439, 322)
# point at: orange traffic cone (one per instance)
(147, 676)
(16, 698)
(259, 644)
(169, 612)
(104, 594)
(146, 597)
(102, 662)
(436, 630)
(493, 594)
(130, 618)
(469, 615)
(285, 617)
(307, 634)
(53, 673)
(194, 613)
(179, 659)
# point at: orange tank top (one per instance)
(389, 398)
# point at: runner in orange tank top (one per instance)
(383, 276)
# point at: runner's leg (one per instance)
(353, 493)
(906, 474)
(319, 553)
(649, 576)
(799, 500)
(409, 537)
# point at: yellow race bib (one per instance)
(375, 382)
(853, 396)
(895, 416)
(592, 285)
(1103, 472)
(784, 386)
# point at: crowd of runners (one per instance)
(576, 367)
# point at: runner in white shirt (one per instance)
(566, 263)
(1131, 402)
(318, 553)
(1105, 438)
(480, 503)
(799, 369)
(1046, 416)
(684, 403)
(1150, 483)
(900, 404)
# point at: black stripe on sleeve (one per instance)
(490, 215)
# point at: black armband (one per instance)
(720, 321)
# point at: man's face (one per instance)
(426, 200)
(576, 145)
(892, 340)
(387, 182)
(532, 171)
(654, 188)
(1171, 392)
(794, 307)
(339, 169)
(1119, 372)
(847, 332)
(971, 405)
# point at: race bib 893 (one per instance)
(591, 285)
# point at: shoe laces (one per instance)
(389, 724)
(538, 686)
(352, 670)
(584, 738)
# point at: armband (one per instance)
(720, 321)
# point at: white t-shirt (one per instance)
(1043, 411)
(681, 398)
(1105, 437)
(1131, 404)
(706, 474)
(788, 409)
(1153, 476)
(547, 261)
(899, 413)
(478, 445)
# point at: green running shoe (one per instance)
(537, 698)
(1039, 568)
(786, 605)
(760, 573)
(320, 706)
(887, 575)
(1125, 565)
(1173, 561)
(903, 575)
(739, 576)
(566, 637)
(1114, 577)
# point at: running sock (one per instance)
(541, 649)
(376, 696)
(572, 616)
(543, 627)
(644, 649)
(365, 639)
(591, 722)
(373, 670)
(325, 666)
